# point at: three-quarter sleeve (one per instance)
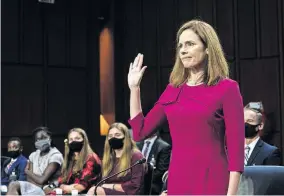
(235, 129)
(144, 126)
(134, 185)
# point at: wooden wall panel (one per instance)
(22, 100)
(247, 29)
(260, 79)
(56, 25)
(225, 26)
(66, 99)
(149, 87)
(36, 37)
(166, 32)
(232, 69)
(10, 45)
(77, 33)
(185, 11)
(149, 33)
(165, 75)
(268, 29)
(132, 38)
(32, 32)
(205, 10)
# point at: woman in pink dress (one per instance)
(204, 110)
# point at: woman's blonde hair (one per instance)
(69, 158)
(129, 147)
(217, 66)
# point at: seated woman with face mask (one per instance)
(43, 167)
(120, 152)
(82, 167)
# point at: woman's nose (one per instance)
(183, 50)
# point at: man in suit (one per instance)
(157, 152)
(14, 167)
(257, 152)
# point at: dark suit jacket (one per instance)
(18, 166)
(162, 153)
(264, 154)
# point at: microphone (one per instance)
(141, 161)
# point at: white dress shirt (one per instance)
(151, 140)
(251, 146)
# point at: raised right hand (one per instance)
(136, 72)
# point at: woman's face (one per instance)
(114, 132)
(192, 51)
(75, 136)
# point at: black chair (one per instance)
(262, 180)
(148, 179)
(3, 160)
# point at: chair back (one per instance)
(262, 180)
(148, 179)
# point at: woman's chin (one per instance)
(188, 66)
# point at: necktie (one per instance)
(247, 149)
(146, 149)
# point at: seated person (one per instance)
(157, 152)
(81, 167)
(120, 152)
(257, 152)
(43, 167)
(17, 162)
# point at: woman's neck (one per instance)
(118, 153)
(196, 76)
(42, 153)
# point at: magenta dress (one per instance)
(202, 119)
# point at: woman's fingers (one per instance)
(140, 60)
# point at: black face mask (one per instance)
(116, 143)
(250, 130)
(13, 154)
(76, 146)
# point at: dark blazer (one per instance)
(264, 154)
(18, 166)
(162, 153)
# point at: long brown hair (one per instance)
(129, 147)
(69, 158)
(217, 66)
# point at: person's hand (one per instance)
(100, 191)
(164, 193)
(66, 188)
(27, 167)
(136, 72)
(91, 191)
